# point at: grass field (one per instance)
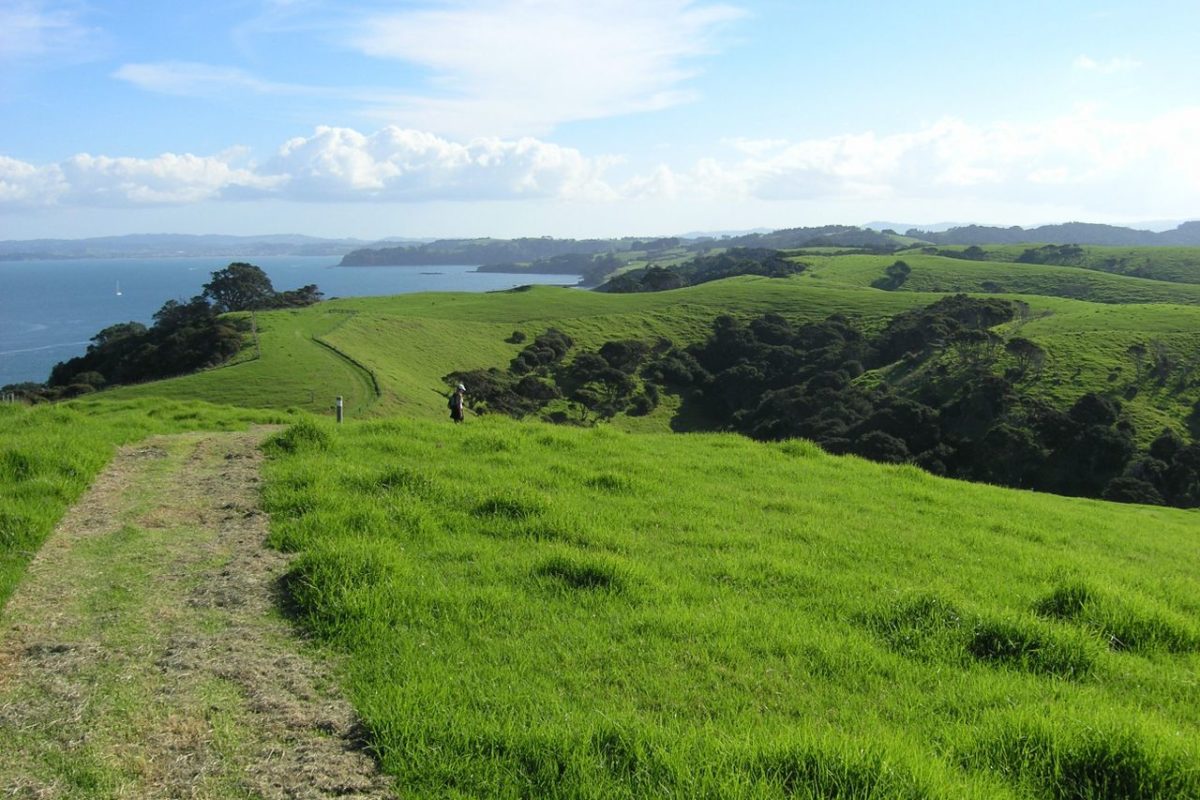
(530, 611)
(1177, 264)
(942, 274)
(50, 454)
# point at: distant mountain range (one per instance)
(486, 251)
(170, 245)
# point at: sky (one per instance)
(375, 119)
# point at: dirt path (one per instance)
(143, 655)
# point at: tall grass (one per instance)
(530, 611)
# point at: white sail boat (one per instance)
(118, 288)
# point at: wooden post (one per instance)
(339, 409)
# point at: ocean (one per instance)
(50, 309)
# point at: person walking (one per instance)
(456, 403)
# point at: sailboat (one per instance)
(118, 288)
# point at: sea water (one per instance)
(50, 309)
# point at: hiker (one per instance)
(456, 403)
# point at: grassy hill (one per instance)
(932, 273)
(387, 355)
(531, 611)
(1177, 264)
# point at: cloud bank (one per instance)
(1082, 159)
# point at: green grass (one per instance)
(50, 454)
(403, 345)
(1176, 264)
(526, 610)
(942, 274)
(299, 368)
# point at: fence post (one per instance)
(339, 409)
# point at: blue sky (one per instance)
(608, 117)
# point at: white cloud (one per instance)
(1081, 158)
(332, 165)
(103, 181)
(404, 165)
(1112, 66)
(523, 66)
(32, 30)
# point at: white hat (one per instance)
(462, 388)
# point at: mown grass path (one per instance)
(143, 655)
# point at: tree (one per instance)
(240, 287)
(1026, 353)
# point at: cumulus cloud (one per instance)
(523, 66)
(334, 164)
(84, 179)
(399, 164)
(1081, 160)
(33, 30)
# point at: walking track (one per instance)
(144, 654)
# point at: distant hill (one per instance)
(485, 251)
(168, 245)
(1186, 234)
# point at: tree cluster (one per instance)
(184, 337)
(593, 385)
(923, 389)
(702, 269)
(772, 380)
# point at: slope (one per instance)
(535, 611)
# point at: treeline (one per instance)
(184, 337)
(592, 269)
(480, 251)
(705, 268)
(963, 412)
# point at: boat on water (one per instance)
(118, 288)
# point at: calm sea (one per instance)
(50, 309)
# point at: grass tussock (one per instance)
(924, 625)
(1029, 645)
(589, 573)
(305, 435)
(1055, 760)
(512, 505)
(1127, 623)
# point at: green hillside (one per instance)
(931, 273)
(405, 344)
(532, 611)
(408, 342)
(524, 610)
(1177, 264)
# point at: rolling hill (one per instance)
(525, 610)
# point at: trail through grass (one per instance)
(142, 656)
